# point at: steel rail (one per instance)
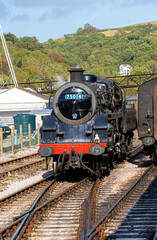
(25, 215)
(37, 199)
(86, 212)
(22, 228)
(21, 217)
(98, 226)
(19, 159)
(11, 226)
(85, 226)
(135, 151)
(25, 165)
(23, 189)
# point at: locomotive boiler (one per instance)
(90, 124)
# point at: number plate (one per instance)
(74, 96)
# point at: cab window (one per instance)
(117, 93)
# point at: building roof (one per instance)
(41, 111)
(29, 90)
(125, 65)
(19, 95)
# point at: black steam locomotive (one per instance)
(90, 124)
(147, 117)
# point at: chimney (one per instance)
(76, 75)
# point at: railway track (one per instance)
(55, 192)
(132, 215)
(20, 164)
(63, 214)
(20, 201)
(59, 217)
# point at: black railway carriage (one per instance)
(147, 116)
(89, 126)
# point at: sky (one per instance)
(52, 19)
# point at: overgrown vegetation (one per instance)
(97, 51)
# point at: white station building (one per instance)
(17, 100)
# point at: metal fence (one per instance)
(14, 141)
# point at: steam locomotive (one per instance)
(90, 124)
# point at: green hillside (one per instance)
(98, 51)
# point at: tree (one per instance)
(133, 36)
(139, 70)
(79, 31)
(10, 37)
(86, 26)
(30, 43)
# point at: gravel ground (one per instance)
(18, 153)
(128, 169)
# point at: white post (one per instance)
(8, 57)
